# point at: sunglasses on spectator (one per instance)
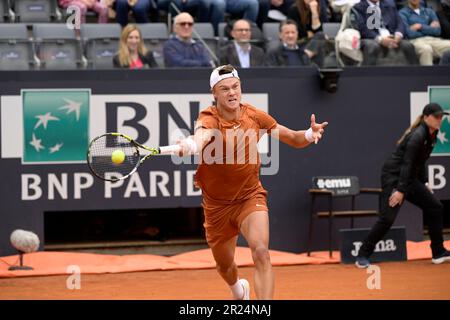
(183, 24)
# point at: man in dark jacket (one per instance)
(288, 53)
(240, 52)
(381, 28)
(404, 176)
(183, 51)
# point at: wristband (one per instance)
(309, 135)
(192, 145)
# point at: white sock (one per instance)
(238, 290)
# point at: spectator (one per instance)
(85, 5)
(423, 28)
(268, 6)
(341, 6)
(240, 52)
(216, 13)
(309, 16)
(140, 10)
(132, 52)
(183, 51)
(444, 19)
(387, 35)
(288, 53)
(247, 9)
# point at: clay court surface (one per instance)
(399, 280)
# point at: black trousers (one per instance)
(419, 195)
(371, 50)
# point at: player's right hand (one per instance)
(188, 146)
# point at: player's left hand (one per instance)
(317, 128)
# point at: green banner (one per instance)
(56, 125)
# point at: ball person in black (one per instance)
(403, 177)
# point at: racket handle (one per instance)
(173, 149)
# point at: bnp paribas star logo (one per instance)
(441, 95)
(56, 125)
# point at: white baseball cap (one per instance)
(216, 75)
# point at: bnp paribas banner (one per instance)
(49, 130)
(56, 125)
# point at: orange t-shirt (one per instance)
(224, 175)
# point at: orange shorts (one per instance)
(223, 221)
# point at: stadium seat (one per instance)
(331, 188)
(271, 34)
(223, 39)
(206, 32)
(16, 49)
(101, 43)
(33, 11)
(331, 29)
(57, 46)
(154, 36)
(4, 10)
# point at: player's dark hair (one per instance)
(286, 23)
(226, 69)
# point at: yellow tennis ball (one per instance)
(118, 156)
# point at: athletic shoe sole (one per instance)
(360, 266)
(440, 260)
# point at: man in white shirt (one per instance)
(240, 52)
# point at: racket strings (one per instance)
(100, 157)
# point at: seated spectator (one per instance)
(444, 19)
(273, 10)
(183, 51)
(288, 53)
(341, 6)
(246, 9)
(387, 35)
(309, 16)
(445, 60)
(132, 52)
(85, 5)
(423, 30)
(240, 52)
(140, 9)
(216, 13)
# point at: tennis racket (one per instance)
(103, 150)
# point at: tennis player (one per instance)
(234, 200)
(404, 176)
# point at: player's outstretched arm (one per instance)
(300, 138)
(193, 144)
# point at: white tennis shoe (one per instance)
(246, 287)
